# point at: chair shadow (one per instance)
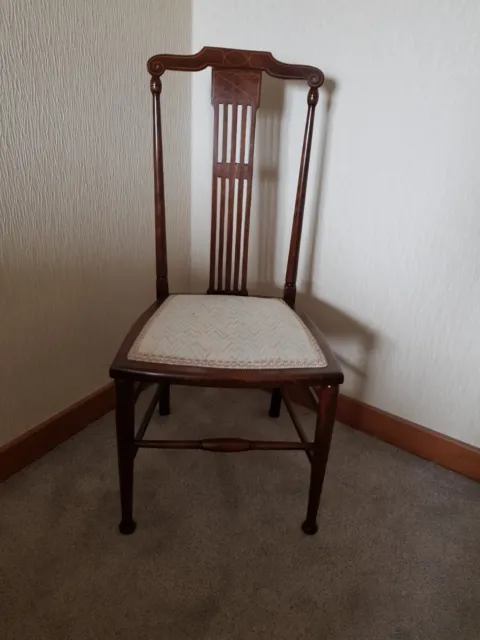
(352, 340)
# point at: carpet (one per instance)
(218, 552)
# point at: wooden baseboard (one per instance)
(425, 443)
(431, 445)
(46, 436)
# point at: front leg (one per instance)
(275, 403)
(164, 401)
(125, 425)
(326, 410)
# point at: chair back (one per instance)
(236, 85)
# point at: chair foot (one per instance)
(127, 527)
(275, 404)
(164, 401)
(310, 529)
(323, 436)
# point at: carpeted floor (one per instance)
(218, 552)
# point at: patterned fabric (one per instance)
(227, 332)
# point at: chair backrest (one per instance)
(236, 83)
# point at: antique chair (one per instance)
(225, 338)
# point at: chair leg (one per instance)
(125, 424)
(275, 403)
(323, 435)
(164, 401)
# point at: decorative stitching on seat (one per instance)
(227, 332)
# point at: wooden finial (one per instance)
(156, 84)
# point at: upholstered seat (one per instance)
(232, 332)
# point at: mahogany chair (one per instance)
(226, 338)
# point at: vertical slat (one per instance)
(221, 234)
(238, 141)
(250, 115)
(246, 231)
(160, 228)
(232, 90)
(213, 237)
(236, 183)
(231, 193)
(238, 236)
(221, 240)
(290, 288)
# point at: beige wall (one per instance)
(76, 258)
(392, 235)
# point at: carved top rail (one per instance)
(219, 58)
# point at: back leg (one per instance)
(275, 403)
(164, 401)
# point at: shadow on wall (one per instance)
(341, 328)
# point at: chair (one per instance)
(226, 338)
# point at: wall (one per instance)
(392, 234)
(76, 257)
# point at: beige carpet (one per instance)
(219, 553)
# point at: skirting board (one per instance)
(46, 436)
(425, 443)
(431, 445)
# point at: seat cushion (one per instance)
(227, 332)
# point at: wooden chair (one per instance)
(226, 338)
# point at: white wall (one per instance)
(76, 224)
(395, 280)
(390, 265)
